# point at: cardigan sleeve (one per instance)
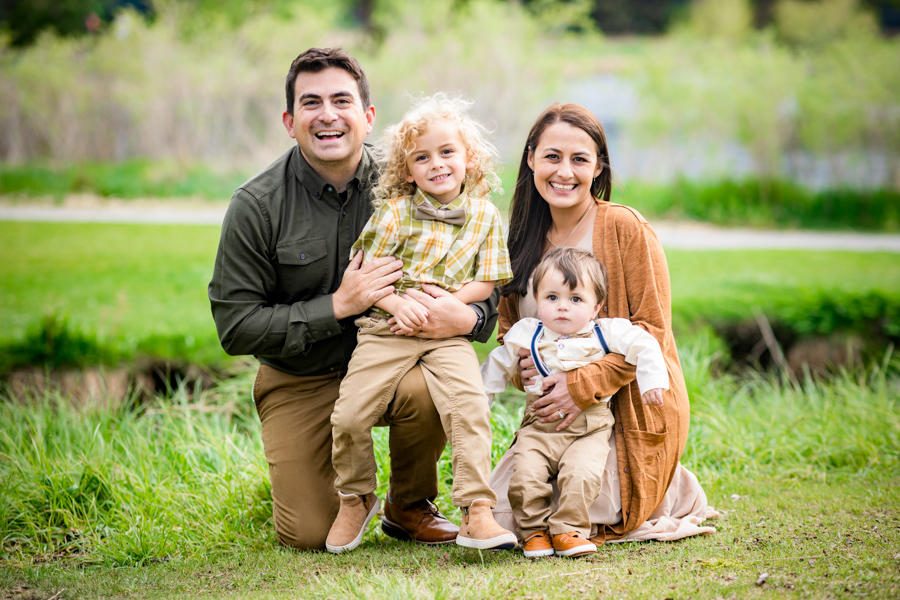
(646, 278)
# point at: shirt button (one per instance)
(329, 189)
(328, 332)
(606, 310)
(302, 257)
(627, 470)
(344, 212)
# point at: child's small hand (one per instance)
(653, 397)
(410, 316)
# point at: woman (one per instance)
(562, 198)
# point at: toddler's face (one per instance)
(439, 161)
(562, 309)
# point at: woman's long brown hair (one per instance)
(529, 213)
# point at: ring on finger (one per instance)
(562, 415)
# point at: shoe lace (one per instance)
(428, 506)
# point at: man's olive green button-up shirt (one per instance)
(285, 244)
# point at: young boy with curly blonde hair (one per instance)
(432, 213)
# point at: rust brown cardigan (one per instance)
(649, 439)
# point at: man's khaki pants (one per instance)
(451, 371)
(296, 430)
(576, 456)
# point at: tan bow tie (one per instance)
(426, 212)
(575, 336)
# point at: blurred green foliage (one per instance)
(126, 179)
(821, 81)
(761, 203)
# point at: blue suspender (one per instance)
(538, 362)
(535, 355)
(600, 337)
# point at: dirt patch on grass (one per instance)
(110, 387)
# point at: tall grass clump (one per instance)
(759, 426)
(183, 477)
(134, 485)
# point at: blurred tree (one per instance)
(815, 24)
(647, 16)
(25, 20)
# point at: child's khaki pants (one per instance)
(451, 372)
(576, 456)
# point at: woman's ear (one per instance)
(530, 158)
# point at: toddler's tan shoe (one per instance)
(354, 514)
(572, 544)
(479, 530)
(538, 544)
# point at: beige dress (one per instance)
(680, 514)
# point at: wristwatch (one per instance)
(479, 320)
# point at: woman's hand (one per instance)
(557, 404)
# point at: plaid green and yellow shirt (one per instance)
(434, 251)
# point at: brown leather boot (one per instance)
(421, 522)
(479, 530)
(354, 514)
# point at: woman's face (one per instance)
(564, 162)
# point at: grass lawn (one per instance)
(142, 288)
(171, 500)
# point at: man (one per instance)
(285, 290)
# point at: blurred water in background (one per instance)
(616, 102)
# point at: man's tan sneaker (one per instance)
(572, 544)
(355, 513)
(538, 544)
(479, 530)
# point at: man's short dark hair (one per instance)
(315, 60)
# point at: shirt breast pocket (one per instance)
(302, 268)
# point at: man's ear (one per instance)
(288, 120)
(370, 119)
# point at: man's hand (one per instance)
(527, 370)
(653, 397)
(447, 316)
(363, 286)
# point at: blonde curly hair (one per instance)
(399, 141)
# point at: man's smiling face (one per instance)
(329, 122)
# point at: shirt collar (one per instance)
(552, 336)
(458, 202)
(311, 180)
